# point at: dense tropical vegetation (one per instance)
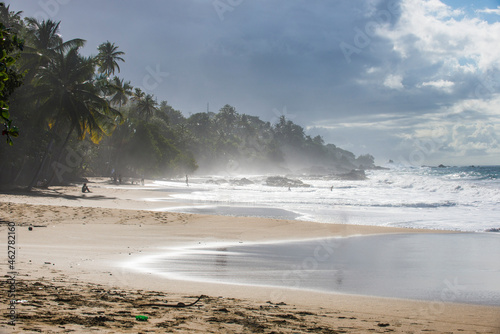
(10, 78)
(77, 118)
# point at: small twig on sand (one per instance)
(180, 304)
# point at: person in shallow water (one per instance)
(85, 188)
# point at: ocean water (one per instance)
(450, 267)
(451, 198)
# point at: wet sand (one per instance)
(236, 211)
(70, 274)
(453, 267)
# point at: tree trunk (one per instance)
(18, 174)
(51, 179)
(42, 164)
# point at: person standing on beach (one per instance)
(187, 180)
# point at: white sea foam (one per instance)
(455, 198)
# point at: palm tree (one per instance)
(70, 101)
(102, 84)
(108, 58)
(138, 95)
(43, 43)
(44, 37)
(147, 106)
(121, 91)
(11, 20)
(227, 117)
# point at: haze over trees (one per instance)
(77, 118)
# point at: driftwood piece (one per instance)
(179, 305)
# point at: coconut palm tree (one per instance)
(108, 58)
(102, 84)
(138, 95)
(11, 20)
(121, 91)
(147, 106)
(226, 118)
(45, 38)
(43, 43)
(69, 101)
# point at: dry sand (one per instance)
(71, 277)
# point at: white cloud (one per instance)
(382, 122)
(477, 136)
(444, 85)
(431, 30)
(468, 127)
(495, 11)
(394, 81)
(373, 70)
(439, 9)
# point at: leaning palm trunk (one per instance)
(42, 164)
(57, 162)
(20, 171)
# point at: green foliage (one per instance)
(69, 99)
(149, 152)
(43, 43)
(120, 91)
(10, 19)
(147, 106)
(365, 160)
(9, 130)
(10, 78)
(108, 58)
(173, 116)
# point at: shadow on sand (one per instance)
(52, 193)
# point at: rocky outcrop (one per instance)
(353, 175)
(212, 181)
(241, 182)
(280, 181)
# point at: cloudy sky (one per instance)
(415, 81)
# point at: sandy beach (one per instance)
(71, 250)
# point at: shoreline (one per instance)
(345, 265)
(84, 237)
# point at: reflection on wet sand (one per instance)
(414, 266)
